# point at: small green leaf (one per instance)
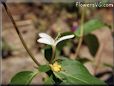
(73, 72)
(48, 53)
(49, 81)
(92, 43)
(44, 68)
(90, 26)
(23, 78)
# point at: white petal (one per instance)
(45, 41)
(44, 35)
(64, 38)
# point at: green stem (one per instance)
(81, 33)
(57, 36)
(53, 53)
(19, 34)
(54, 50)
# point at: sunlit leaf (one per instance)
(23, 78)
(44, 68)
(90, 26)
(73, 72)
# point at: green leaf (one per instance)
(48, 53)
(23, 78)
(44, 68)
(49, 80)
(90, 26)
(73, 72)
(92, 43)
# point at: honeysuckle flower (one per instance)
(46, 39)
(55, 67)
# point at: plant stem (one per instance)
(54, 49)
(19, 34)
(98, 58)
(53, 53)
(57, 36)
(81, 33)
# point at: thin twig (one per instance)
(81, 33)
(19, 34)
(98, 59)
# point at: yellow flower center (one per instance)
(55, 67)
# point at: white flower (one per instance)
(46, 39)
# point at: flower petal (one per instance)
(64, 38)
(44, 35)
(45, 41)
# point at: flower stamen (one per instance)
(55, 67)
